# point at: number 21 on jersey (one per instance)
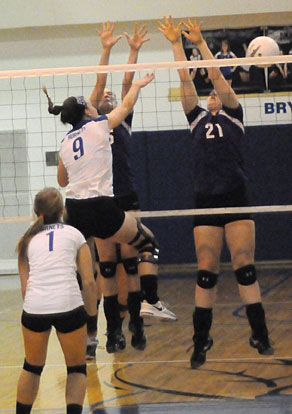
(210, 130)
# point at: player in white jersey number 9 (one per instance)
(85, 168)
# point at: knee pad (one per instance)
(147, 239)
(108, 269)
(149, 254)
(77, 369)
(130, 265)
(34, 369)
(246, 275)
(206, 279)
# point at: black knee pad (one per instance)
(148, 254)
(108, 269)
(246, 275)
(77, 369)
(74, 409)
(34, 369)
(206, 279)
(130, 265)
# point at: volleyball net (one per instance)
(30, 137)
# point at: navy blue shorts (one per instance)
(235, 198)
(64, 322)
(95, 217)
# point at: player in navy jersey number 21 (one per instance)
(48, 256)
(220, 181)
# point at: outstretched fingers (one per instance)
(146, 79)
(143, 29)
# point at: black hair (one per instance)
(72, 110)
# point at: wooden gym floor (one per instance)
(235, 378)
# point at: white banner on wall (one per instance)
(267, 109)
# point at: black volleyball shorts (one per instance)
(235, 198)
(95, 217)
(64, 322)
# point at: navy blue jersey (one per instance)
(225, 70)
(123, 178)
(216, 149)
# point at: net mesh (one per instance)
(30, 137)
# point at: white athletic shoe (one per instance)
(91, 347)
(158, 310)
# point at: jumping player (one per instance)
(217, 134)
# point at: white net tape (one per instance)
(185, 212)
(263, 60)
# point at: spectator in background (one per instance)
(226, 53)
(278, 75)
(200, 75)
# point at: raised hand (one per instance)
(145, 80)
(138, 38)
(108, 40)
(168, 29)
(194, 29)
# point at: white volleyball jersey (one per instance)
(52, 285)
(87, 156)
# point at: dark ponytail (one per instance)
(53, 109)
(72, 111)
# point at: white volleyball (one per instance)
(262, 46)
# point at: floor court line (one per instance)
(176, 361)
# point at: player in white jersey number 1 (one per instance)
(49, 254)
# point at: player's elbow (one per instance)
(62, 175)
(62, 181)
